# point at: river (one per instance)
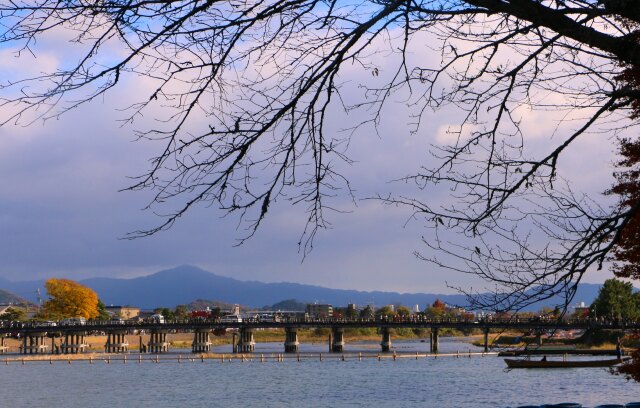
(442, 382)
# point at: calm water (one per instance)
(442, 382)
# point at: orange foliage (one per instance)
(631, 369)
(626, 252)
(70, 299)
(439, 304)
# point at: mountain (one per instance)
(185, 284)
(288, 305)
(202, 304)
(8, 297)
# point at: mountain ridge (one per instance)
(8, 297)
(186, 283)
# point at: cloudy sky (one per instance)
(62, 214)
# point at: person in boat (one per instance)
(544, 358)
(619, 349)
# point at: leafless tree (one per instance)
(264, 75)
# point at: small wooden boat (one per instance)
(519, 363)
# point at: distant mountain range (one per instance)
(8, 297)
(184, 284)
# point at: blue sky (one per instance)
(61, 212)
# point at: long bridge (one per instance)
(36, 335)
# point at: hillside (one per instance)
(185, 284)
(8, 297)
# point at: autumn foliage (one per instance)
(626, 252)
(70, 299)
(631, 369)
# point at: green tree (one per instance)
(13, 314)
(165, 311)
(216, 312)
(70, 299)
(385, 311)
(403, 311)
(102, 311)
(181, 312)
(616, 300)
(367, 312)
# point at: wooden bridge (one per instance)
(35, 335)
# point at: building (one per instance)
(581, 310)
(319, 311)
(352, 310)
(125, 312)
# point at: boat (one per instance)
(520, 363)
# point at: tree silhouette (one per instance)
(244, 91)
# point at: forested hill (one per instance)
(8, 297)
(185, 284)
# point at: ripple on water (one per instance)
(444, 382)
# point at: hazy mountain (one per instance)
(24, 289)
(8, 297)
(290, 305)
(202, 304)
(185, 284)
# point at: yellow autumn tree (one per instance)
(70, 299)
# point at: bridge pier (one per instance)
(246, 344)
(74, 343)
(158, 342)
(337, 339)
(386, 339)
(434, 343)
(33, 343)
(291, 343)
(116, 342)
(539, 337)
(486, 339)
(201, 342)
(3, 346)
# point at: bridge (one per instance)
(35, 336)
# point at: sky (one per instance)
(62, 213)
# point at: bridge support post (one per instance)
(158, 342)
(386, 339)
(539, 337)
(337, 342)
(33, 343)
(3, 346)
(201, 342)
(246, 344)
(486, 339)
(291, 343)
(116, 342)
(434, 340)
(74, 343)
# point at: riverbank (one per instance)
(588, 341)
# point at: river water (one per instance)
(427, 382)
